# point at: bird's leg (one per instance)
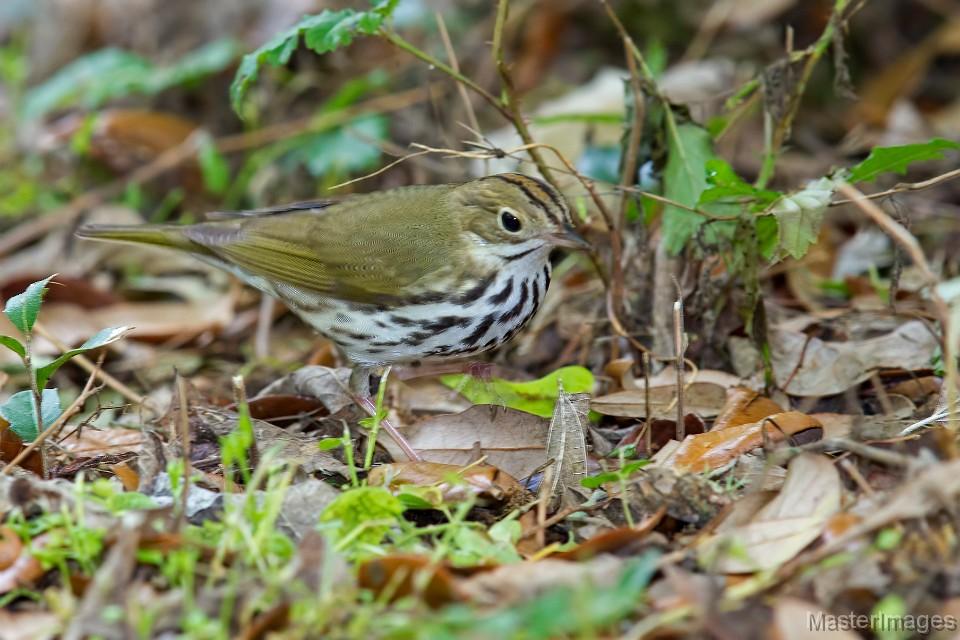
(360, 389)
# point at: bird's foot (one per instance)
(360, 391)
(367, 404)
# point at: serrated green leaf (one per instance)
(898, 159)
(799, 215)
(689, 148)
(14, 345)
(536, 396)
(768, 236)
(112, 73)
(321, 33)
(23, 308)
(18, 410)
(724, 182)
(99, 339)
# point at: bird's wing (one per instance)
(306, 205)
(376, 248)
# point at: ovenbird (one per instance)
(412, 273)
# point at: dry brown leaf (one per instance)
(128, 477)
(781, 529)
(406, 575)
(714, 449)
(21, 569)
(511, 440)
(327, 385)
(566, 442)
(917, 389)
(30, 625)
(623, 541)
(809, 366)
(11, 445)
(91, 441)
(705, 399)
(836, 425)
(931, 490)
(745, 406)
(72, 324)
(514, 583)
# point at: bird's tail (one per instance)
(159, 235)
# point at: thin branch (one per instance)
(510, 100)
(904, 187)
(455, 65)
(810, 57)
(899, 234)
(400, 43)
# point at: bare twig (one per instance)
(183, 424)
(899, 234)
(904, 187)
(876, 454)
(455, 65)
(778, 132)
(510, 101)
(678, 342)
(648, 419)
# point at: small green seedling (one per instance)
(28, 409)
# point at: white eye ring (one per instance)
(509, 220)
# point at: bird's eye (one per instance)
(509, 221)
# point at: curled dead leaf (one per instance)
(716, 448)
(744, 406)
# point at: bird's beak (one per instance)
(568, 238)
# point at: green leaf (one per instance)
(23, 308)
(799, 215)
(18, 410)
(99, 339)
(898, 159)
(14, 345)
(365, 514)
(327, 444)
(724, 183)
(321, 33)
(536, 396)
(689, 148)
(213, 166)
(343, 151)
(107, 74)
(768, 236)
